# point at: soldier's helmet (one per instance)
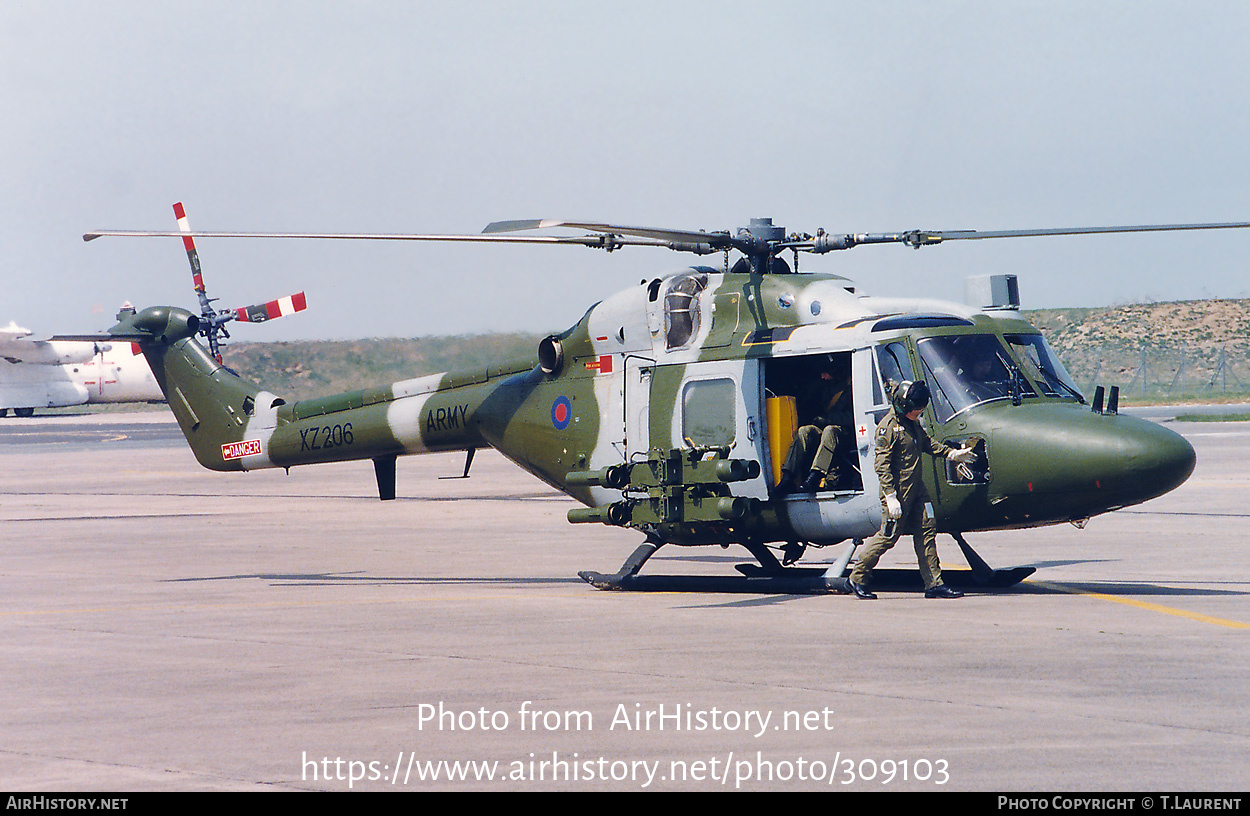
(910, 396)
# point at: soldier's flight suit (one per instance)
(899, 445)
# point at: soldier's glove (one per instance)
(892, 506)
(964, 456)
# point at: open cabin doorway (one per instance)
(805, 394)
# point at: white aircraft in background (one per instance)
(54, 373)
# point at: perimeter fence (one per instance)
(1153, 374)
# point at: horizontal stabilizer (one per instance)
(104, 337)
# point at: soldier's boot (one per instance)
(861, 591)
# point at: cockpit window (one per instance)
(681, 309)
(968, 369)
(1041, 364)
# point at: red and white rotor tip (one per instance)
(184, 226)
(271, 310)
(188, 243)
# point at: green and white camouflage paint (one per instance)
(651, 411)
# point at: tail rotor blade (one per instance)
(212, 325)
(188, 241)
(271, 310)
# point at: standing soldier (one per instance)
(904, 502)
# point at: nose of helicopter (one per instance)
(1147, 460)
(1052, 462)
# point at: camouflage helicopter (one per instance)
(669, 407)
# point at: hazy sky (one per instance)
(442, 117)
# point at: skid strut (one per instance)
(986, 576)
(627, 571)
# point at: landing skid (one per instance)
(770, 577)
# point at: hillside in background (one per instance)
(1196, 349)
(1189, 349)
(311, 368)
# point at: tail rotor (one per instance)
(212, 322)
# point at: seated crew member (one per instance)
(978, 380)
(826, 399)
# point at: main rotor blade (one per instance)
(656, 233)
(594, 241)
(613, 236)
(972, 235)
(827, 242)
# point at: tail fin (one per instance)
(212, 405)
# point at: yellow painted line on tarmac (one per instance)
(1152, 607)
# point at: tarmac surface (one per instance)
(163, 627)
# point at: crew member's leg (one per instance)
(925, 542)
(824, 462)
(802, 449)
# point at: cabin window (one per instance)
(681, 309)
(709, 412)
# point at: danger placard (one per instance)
(237, 450)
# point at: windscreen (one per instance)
(967, 369)
(1041, 363)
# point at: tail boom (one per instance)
(233, 425)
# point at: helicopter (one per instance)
(668, 408)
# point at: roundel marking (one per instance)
(561, 412)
